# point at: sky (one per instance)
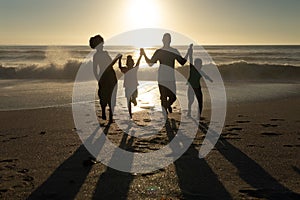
(209, 22)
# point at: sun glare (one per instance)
(143, 13)
(136, 55)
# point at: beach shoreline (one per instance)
(256, 157)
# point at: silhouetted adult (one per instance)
(166, 80)
(106, 76)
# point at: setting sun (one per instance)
(143, 13)
(149, 99)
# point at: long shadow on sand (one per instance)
(196, 178)
(66, 181)
(114, 184)
(264, 185)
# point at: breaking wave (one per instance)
(51, 71)
(234, 71)
(252, 71)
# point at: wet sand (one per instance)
(257, 157)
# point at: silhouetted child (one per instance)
(194, 83)
(130, 80)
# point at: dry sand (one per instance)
(257, 157)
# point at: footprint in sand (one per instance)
(28, 178)
(8, 160)
(296, 169)
(156, 141)
(42, 132)
(288, 145)
(17, 178)
(235, 129)
(269, 125)
(152, 148)
(253, 145)
(276, 119)
(242, 116)
(147, 120)
(230, 138)
(14, 138)
(23, 171)
(229, 133)
(242, 121)
(229, 125)
(7, 164)
(271, 134)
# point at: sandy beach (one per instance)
(214, 88)
(257, 157)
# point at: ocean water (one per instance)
(26, 56)
(43, 76)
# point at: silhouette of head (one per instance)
(129, 61)
(166, 39)
(198, 62)
(95, 41)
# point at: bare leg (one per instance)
(112, 102)
(164, 99)
(190, 100)
(103, 101)
(110, 113)
(171, 96)
(199, 97)
(103, 112)
(133, 97)
(129, 107)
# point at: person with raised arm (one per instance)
(106, 76)
(166, 80)
(194, 83)
(130, 80)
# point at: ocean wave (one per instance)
(8, 51)
(259, 71)
(16, 55)
(17, 58)
(51, 71)
(241, 70)
(244, 62)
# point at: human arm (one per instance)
(206, 76)
(120, 62)
(118, 56)
(95, 69)
(181, 60)
(139, 59)
(101, 62)
(150, 62)
(190, 54)
(123, 69)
